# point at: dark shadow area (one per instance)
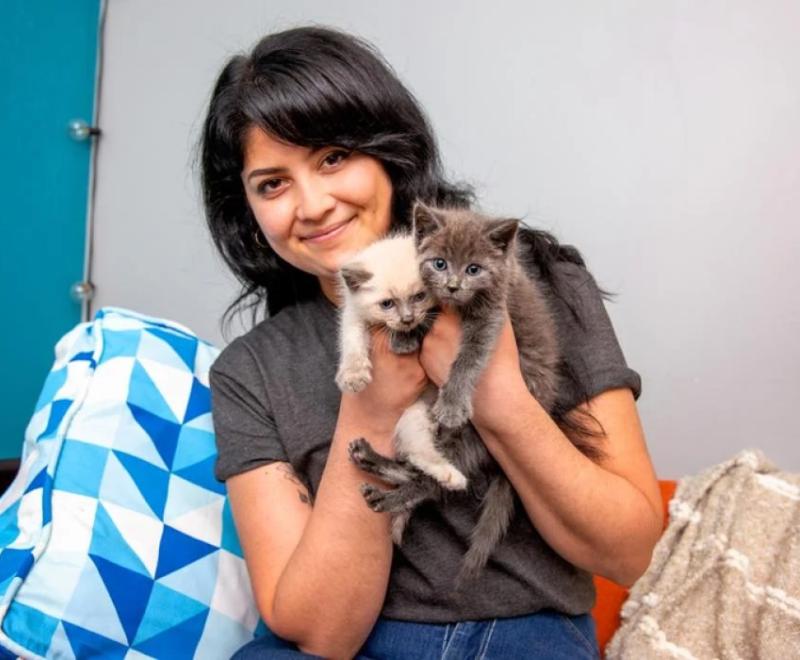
(8, 470)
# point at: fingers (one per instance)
(446, 328)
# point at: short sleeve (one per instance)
(244, 427)
(589, 344)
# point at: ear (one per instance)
(354, 276)
(425, 221)
(502, 232)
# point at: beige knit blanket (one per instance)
(724, 581)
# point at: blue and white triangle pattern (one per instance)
(115, 538)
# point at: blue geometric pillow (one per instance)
(115, 538)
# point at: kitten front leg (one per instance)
(453, 407)
(355, 367)
(355, 373)
(451, 410)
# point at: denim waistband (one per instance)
(546, 634)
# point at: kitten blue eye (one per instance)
(387, 304)
(419, 297)
(440, 264)
(473, 269)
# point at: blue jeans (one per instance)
(546, 634)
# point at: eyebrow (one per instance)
(266, 170)
(279, 170)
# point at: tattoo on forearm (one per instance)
(289, 473)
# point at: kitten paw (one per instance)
(451, 416)
(449, 477)
(355, 375)
(361, 454)
(375, 497)
(396, 501)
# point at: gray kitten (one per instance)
(469, 261)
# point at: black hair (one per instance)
(314, 87)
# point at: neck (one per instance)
(330, 290)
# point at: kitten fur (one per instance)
(381, 287)
(469, 261)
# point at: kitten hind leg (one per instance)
(405, 498)
(366, 458)
(392, 471)
(416, 439)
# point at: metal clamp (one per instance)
(79, 130)
(82, 291)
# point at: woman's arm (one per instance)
(320, 573)
(603, 517)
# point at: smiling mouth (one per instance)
(327, 234)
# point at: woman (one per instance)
(312, 149)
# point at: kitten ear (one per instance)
(502, 232)
(425, 221)
(354, 276)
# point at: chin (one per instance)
(329, 268)
(447, 298)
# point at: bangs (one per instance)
(309, 104)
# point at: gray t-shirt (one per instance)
(274, 399)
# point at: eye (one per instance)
(335, 157)
(419, 297)
(268, 186)
(473, 269)
(439, 264)
(386, 304)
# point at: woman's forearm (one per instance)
(595, 519)
(333, 587)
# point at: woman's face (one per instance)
(315, 206)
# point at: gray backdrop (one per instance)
(662, 139)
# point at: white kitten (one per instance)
(381, 286)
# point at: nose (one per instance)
(315, 201)
(406, 314)
(452, 288)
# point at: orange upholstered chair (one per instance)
(610, 595)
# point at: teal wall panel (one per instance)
(48, 53)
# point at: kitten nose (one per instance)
(451, 288)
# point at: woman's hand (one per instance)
(397, 382)
(502, 372)
(501, 380)
(440, 346)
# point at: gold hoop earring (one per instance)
(256, 234)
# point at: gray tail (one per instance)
(399, 522)
(496, 514)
